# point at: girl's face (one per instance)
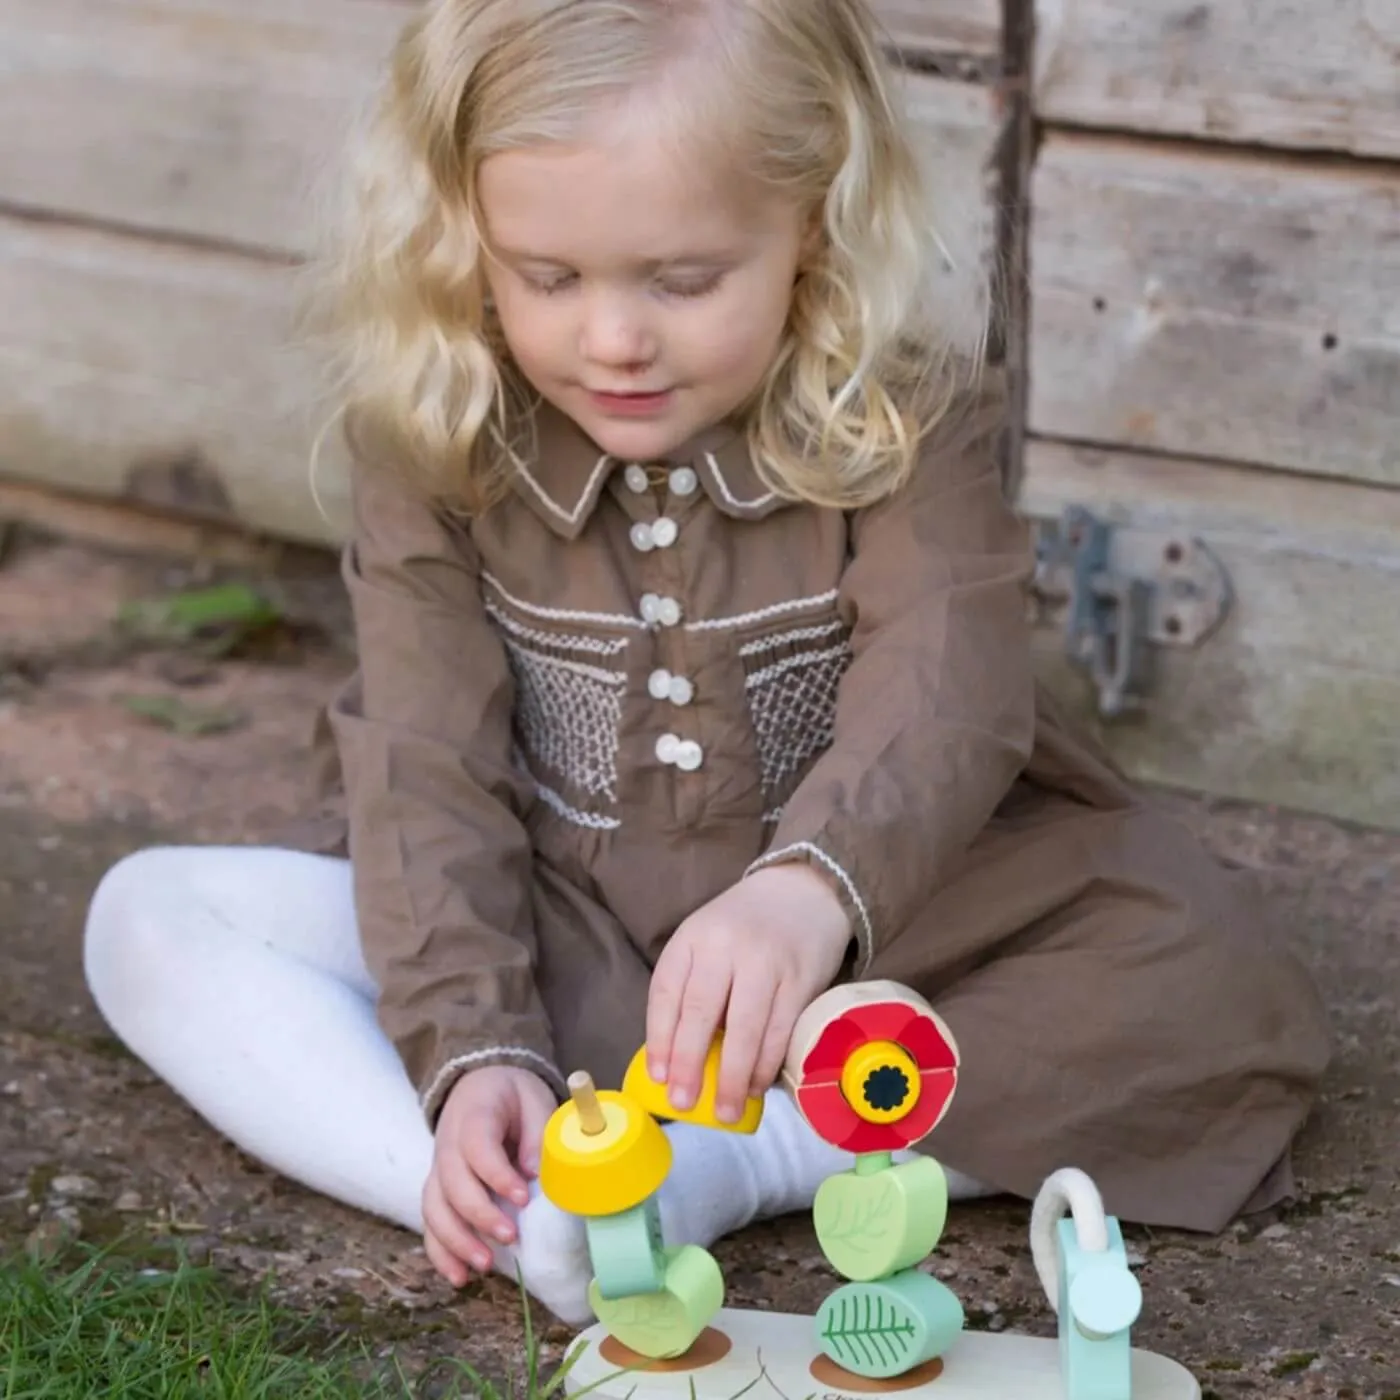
(641, 294)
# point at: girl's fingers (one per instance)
(535, 1112)
(751, 1002)
(444, 1261)
(787, 1007)
(465, 1194)
(443, 1222)
(488, 1161)
(702, 1006)
(668, 980)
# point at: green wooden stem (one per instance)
(868, 1163)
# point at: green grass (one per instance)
(93, 1324)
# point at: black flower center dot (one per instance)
(886, 1088)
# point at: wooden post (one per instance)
(585, 1097)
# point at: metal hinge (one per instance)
(1124, 590)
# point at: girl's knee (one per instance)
(128, 932)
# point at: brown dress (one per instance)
(581, 715)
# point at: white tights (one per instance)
(235, 973)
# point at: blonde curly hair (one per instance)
(795, 89)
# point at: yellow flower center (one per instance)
(881, 1082)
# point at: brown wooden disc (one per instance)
(710, 1346)
(836, 1377)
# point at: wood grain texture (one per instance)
(961, 126)
(161, 374)
(1314, 74)
(167, 373)
(220, 119)
(1215, 305)
(1296, 700)
(209, 118)
(942, 26)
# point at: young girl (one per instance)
(694, 674)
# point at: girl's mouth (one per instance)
(636, 405)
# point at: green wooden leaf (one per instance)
(665, 1323)
(887, 1328)
(872, 1225)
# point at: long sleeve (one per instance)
(935, 715)
(442, 863)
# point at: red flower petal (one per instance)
(873, 1137)
(883, 1020)
(834, 1046)
(926, 1043)
(824, 1106)
(935, 1092)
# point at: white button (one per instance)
(668, 748)
(689, 756)
(636, 478)
(643, 537)
(664, 532)
(662, 685)
(684, 481)
(668, 612)
(650, 608)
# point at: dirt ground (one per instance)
(1305, 1303)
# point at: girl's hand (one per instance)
(485, 1110)
(750, 960)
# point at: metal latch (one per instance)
(1124, 590)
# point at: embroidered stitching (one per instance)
(729, 495)
(570, 517)
(567, 717)
(762, 614)
(792, 704)
(769, 674)
(865, 934)
(563, 614)
(782, 639)
(574, 642)
(453, 1069)
(594, 821)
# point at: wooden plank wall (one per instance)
(1203, 317)
(158, 167)
(1214, 346)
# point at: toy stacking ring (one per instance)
(881, 1082)
(872, 1067)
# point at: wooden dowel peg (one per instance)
(585, 1097)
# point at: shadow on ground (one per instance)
(1305, 1303)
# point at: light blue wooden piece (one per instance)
(884, 1328)
(627, 1252)
(1100, 1299)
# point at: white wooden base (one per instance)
(772, 1354)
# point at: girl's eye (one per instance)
(692, 286)
(551, 285)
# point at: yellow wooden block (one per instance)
(640, 1085)
(607, 1171)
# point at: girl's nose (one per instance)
(615, 335)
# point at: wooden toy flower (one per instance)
(872, 1067)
